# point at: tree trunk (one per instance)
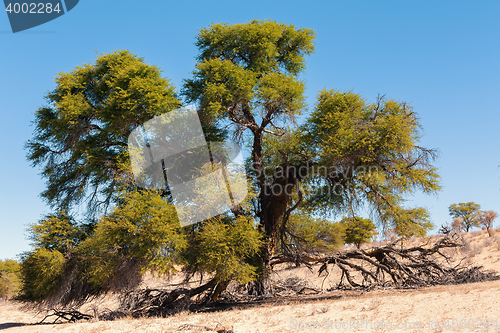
(274, 200)
(219, 289)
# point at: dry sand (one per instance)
(458, 308)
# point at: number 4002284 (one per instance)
(32, 8)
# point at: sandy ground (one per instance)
(463, 308)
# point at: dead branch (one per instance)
(391, 266)
(69, 316)
(155, 301)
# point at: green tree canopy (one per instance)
(143, 230)
(314, 234)
(80, 136)
(369, 154)
(465, 211)
(247, 78)
(41, 273)
(358, 230)
(58, 232)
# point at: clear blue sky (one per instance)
(441, 56)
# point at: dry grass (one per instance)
(427, 305)
(433, 305)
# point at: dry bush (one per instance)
(497, 240)
(457, 224)
(466, 247)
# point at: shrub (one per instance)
(145, 230)
(56, 232)
(226, 247)
(315, 234)
(358, 230)
(9, 278)
(41, 271)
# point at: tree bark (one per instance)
(274, 200)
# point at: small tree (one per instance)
(413, 223)
(314, 234)
(41, 272)
(9, 278)
(465, 211)
(486, 219)
(358, 230)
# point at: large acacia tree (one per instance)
(347, 155)
(247, 81)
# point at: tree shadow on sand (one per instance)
(5, 326)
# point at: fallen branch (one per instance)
(69, 316)
(157, 302)
(389, 266)
(392, 266)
